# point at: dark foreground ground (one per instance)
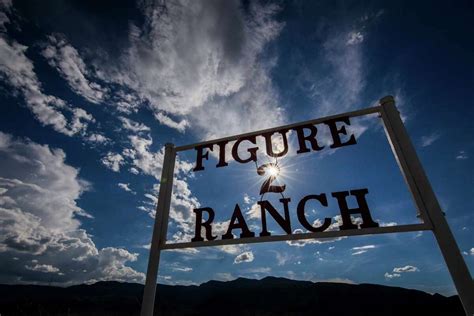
(269, 296)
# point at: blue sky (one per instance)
(91, 92)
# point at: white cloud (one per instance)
(113, 161)
(429, 139)
(230, 249)
(362, 249)
(336, 222)
(143, 158)
(341, 64)
(125, 102)
(247, 199)
(166, 120)
(188, 251)
(38, 206)
(126, 187)
(165, 277)
(148, 161)
(386, 224)
(462, 155)
(67, 61)
(182, 204)
(5, 10)
(281, 258)
(260, 270)
(79, 120)
(182, 269)
(46, 268)
(18, 71)
(201, 74)
(206, 58)
(132, 125)
(346, 70)
(354, 38)
(304, 242)
(404, 269)
(471, 251)
(96, 138)
(224, 276)
(254, 212)
(39, 173)
(391, 275)
(244, 257)
(253, 107)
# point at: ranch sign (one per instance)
(307, 136)
(244, 149)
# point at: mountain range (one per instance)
(268, 296)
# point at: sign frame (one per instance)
(429, 210)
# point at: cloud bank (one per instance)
(41, 239)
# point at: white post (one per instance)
(427, 202)
(162, 211)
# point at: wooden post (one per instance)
(426, 201)
(161, 216)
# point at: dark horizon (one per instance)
(276, 296)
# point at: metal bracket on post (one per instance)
(159, 230)
(426, 201)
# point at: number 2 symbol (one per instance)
(267, 184)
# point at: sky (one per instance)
(91, 91)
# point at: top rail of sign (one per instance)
(356, 113)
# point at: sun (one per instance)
(273, 171)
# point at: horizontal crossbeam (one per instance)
(318, 235)
(361, 112)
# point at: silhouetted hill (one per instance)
(269, 296)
